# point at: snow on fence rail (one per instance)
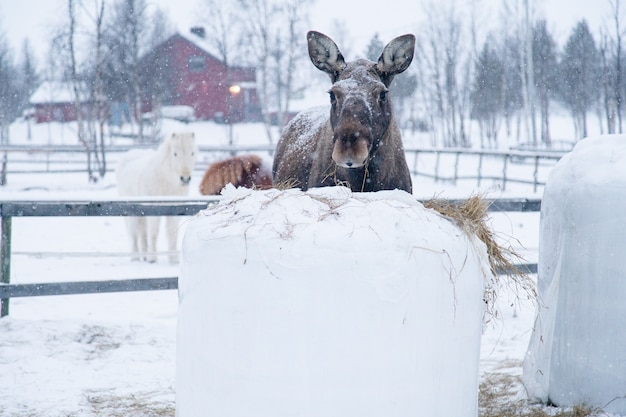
(58, 159)
(455, 164)
(174, 206)
(440, 164)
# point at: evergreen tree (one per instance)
(125, 40)
(580, 76)
(374, 48)
(545, 71)
(30, 77)
(487, 93)
(10, 99)
(513, 96)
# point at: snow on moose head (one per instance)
(359, 143)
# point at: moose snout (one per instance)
(351, 148)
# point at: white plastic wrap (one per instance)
(328, 303)
(577, 353)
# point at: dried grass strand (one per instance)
(471, 216)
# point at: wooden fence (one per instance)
(49, 208)
(457, 164)
(169, 207)
(440, 164)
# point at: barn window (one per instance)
(196, 63)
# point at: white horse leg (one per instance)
(172, 237)
(153, 233)
(141, 236)
(133, 231)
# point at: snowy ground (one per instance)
(114, 354)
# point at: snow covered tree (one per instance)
(403, 86)
(223, 28)
(9, 99)
(126, 38)
(545, 73)
(487, 93)
(580, 75)
(444, 59)
(374, 48)
(29, 74)
(275, 42)
(513, 96)
(613, 71)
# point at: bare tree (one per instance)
(276, 52)
(126, 38)
(29, 73)
(8, 102)
(528, 71)
(160, 28)
(612, 62)
(77, 87)
(99, 98)
(608, 77)
(445, 83)
(223, 28)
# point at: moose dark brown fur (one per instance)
(242, 171)
(358, 144)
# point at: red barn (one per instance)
(183, 70)
(55, 102)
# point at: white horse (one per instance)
(164, 171)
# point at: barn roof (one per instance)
(56, 92)
(202, 43)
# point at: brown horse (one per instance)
(358, 144)
(241, 171)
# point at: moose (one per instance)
(359, 144)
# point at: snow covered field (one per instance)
(114, 354)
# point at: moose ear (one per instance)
(396, 57)
(325, 54)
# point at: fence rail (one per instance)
(532, 162)
(66, 159)
(143, 207)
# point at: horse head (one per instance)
(183, 153)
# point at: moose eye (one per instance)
(383, 96)
(332, 96)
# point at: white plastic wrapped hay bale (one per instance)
(577, 352)
(328, 303)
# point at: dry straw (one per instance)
(472, 216)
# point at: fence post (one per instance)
(536, 174)
(456, 167)
(5, 261)
(480, 168)
(506, 160)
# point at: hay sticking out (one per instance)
(471, 216)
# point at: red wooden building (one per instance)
(183, 70)
(55, 102)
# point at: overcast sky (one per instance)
(31, 18)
